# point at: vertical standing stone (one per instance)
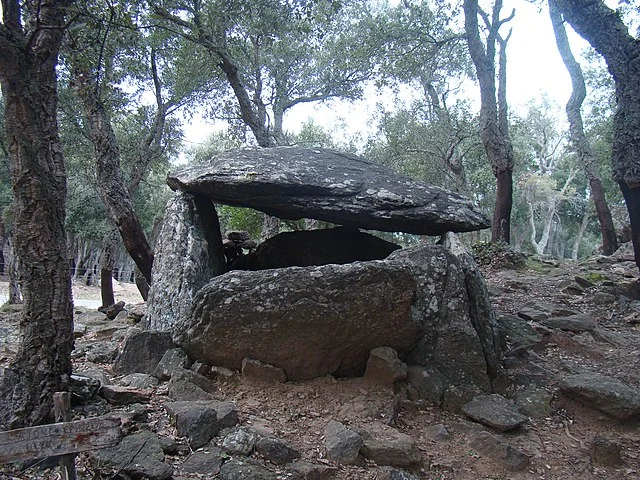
(188, 254)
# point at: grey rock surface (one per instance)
(205, 463)
(343, 445)
(245, 469)
(188, 254)
(580, 322)
(384, 366)
(387, 446)
(198, 421)
(240, 441)
(142, 352)
(276, 450)
(494, 411)
(496, 449)
(173, 360)
(294, 183)
(604, 393)
(256, 371)
(313, 321)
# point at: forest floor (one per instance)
(558, 442)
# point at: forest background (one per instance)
(406, 64)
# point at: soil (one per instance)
(558, 443)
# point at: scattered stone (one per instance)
(427, 382)
(489, 445)
(572, 288)
(227, 413)
(200, 381)
(581, 322)
(172, 360)
(387, 446)
(388, 473)
(201, 368)
(101, 352)
(139, 380)
(313, 471)
(245, 469)
(118, 395)
(385, 367)
(139, 455)
(516, 332)
(343, 445)
(142, 352)
(206, 463)
(79, 330)
(223, 374)
(112, 311)
(198, 421)
(604, 393)
(533, 314)
(276, 450)
(292, 182)
(603, 298)
(137, 311)
(183, 390)
(605, 452)
(439, 433)
(240, 441)
(83, 389)
(583, 282)
(169, 445)
(494, 411)
(257, 371)
(534, 402)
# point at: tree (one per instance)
(494, 127)
(605, 30)
(580, 142)
(30, 36)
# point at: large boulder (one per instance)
(188, 253)
(323, 320)
(294, 183)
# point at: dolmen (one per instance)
(315, 303)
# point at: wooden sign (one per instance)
(59, 438)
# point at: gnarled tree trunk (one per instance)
(28, 59)
(578, 138)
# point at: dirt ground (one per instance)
(558, 444)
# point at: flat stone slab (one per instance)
(607, 394)
(494, 411)
(294, 183)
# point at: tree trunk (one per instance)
(15, 294)
(583, 227)
(107, 262)
(113, 190)
(604, 29)
(493, 111)
(578, 138)
(28, 59)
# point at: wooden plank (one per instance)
(59, 438)
(62, 413)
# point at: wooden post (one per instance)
(62, 412)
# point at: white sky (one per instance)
(534, 68)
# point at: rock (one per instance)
(245, 469)
(187, 255)
(491, 446)
(385, 367)
(603, 298)
(604, 393)
(534, 402)
(605, 452)
(276, 450)
(206, 463)
(314, 471)
(223, 374)
(139, 455)
(112, 311)
(581, 322)
(142, 352)
(307, 248)
(226, 412)
(387, 473)
(312, 322)
(137, 311)
(516, 332)
(387, 446)
(427, 384)
(101, 352)
(534, 314)
(188, 385)
(83, 389)
(241, 441)
(494, 411)
(439, 433)
(139, 380)
(118, 395)
(172, 360)
(198, 421)
(293, 183)
(343, 445)
(79, 330)
(583, 282)
(261, 372)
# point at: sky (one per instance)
(534, 68)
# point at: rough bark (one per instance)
(28, 59)
(493, 110)
(604, 29)
(578, 138)
(113, 190)
(107, 262)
